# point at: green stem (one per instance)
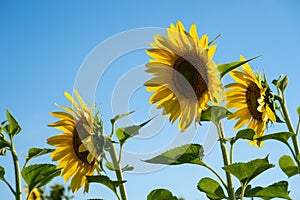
(297, 129)
(231, 154)
(295, 156)
(243, 192)
(115, 161)
(18, 192)
(10, 187)
(216, 173)
(290, 125)
(230, 188)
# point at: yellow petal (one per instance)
(193, 32)
(82, 104)
(211, 51)
(62, 115)
(271, 114)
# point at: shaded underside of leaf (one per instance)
(245, 172)
(212, 188)
(188, 153)
(272, 191)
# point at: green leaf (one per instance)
(104, 180)
(120, 116)
(110, 166)
(161, 194)
(280, 136)
(298, 156)
(2, 172)
(36, 152)
(215, 114)
(39, 175)
(298, 111)
(226, 68)
(188, 153)
(272, 191)
(245, 172)
(247, 134)
(12, 128)
(288, 166)
(212, 188)
(212, 42)
(127, 132)
(4, 144)
(127, 168)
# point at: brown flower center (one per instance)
(195, 74)
(79, 134)
(252, 95)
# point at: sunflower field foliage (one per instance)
(188, 86)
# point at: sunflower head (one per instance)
(185, 77)
(75, 152)
(250, 96)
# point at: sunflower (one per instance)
(75, 160)
(248, 96)
(34, 195)
(185, 77)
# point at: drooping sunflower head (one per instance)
(248, 96)
(185, 77)
(74, 152)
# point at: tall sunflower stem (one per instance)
(230, 188)
(18, 189)
(289, 124)
(118, 170)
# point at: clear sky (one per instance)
(43, 44)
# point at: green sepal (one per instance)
(211, 188)
(226, 68)
(185, 154)
(161, 194)
(288, 166)
(246, 172)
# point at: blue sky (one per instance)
(44, 44)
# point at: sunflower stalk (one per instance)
(117, 168)
(222, 139)
(18, 192)
(289, 124)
